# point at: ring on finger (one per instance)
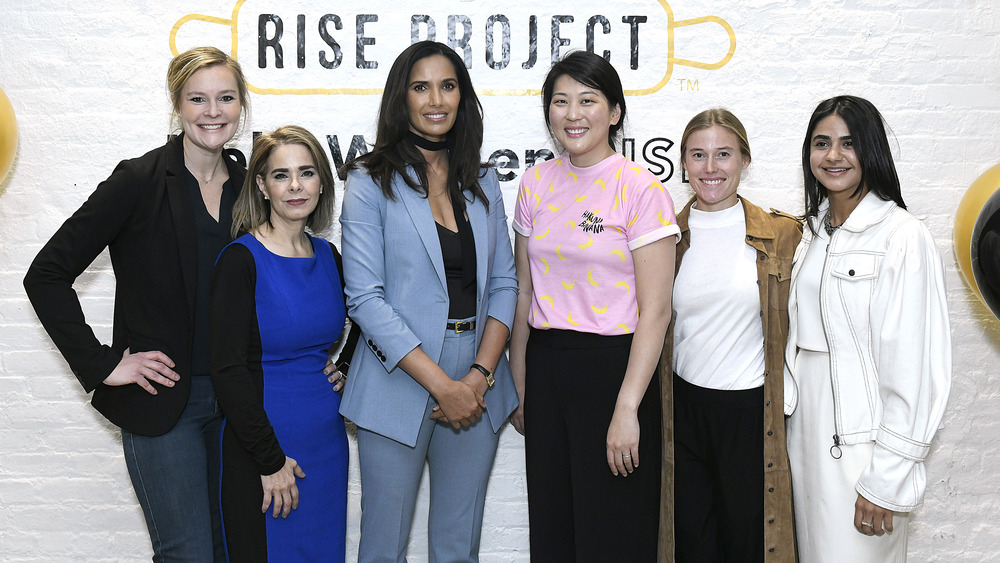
(626, 455)
(869, 524)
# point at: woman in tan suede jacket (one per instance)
(721, 370)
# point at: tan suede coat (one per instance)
(774, 235)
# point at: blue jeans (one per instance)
(176, 479)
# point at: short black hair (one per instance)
(592, 71)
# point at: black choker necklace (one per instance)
(426, 144)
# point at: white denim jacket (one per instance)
(885, 315)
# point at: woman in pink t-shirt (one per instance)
(594, 246)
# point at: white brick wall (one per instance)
(87, 82)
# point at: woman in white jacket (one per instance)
(869, 346)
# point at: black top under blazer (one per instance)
(144, 215)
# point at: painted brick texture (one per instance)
(86, 80)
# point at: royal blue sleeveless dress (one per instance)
(275, 320)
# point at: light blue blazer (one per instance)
(396, 291)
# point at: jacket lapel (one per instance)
(182, 212)
(480, 230)
(423, 222)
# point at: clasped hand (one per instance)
(460, 403)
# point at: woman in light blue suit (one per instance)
(430, 280)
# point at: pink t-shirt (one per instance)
(581, 225)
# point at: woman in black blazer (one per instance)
(164, 217)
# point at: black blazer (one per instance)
(144, 215)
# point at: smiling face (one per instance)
(714, 162)
(832, 158)
(291, 183)
(433, 97)
(580, 118)
(210, 108)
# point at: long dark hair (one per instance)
(871, 145)
(592, 71)
(393, 150)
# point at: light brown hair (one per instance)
(717, 117)
(252, 210)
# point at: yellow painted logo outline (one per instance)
(671, 59)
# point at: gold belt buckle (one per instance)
(463, 326)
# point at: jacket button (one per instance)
(770, 521)
(763, 257)
(758, 282)
(850, 272)
(770, 433)
(770, 465)
(770, 550)
(770, 489)
(768, 403)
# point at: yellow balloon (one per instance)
(969, 210)
(8, 136)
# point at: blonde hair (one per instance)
(717, 117)
(252, 210)
(184, 65)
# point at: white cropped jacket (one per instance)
(885, 316)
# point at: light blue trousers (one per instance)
(460, 462)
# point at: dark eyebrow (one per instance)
(827, 138)
(303, 167)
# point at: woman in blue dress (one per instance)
(277, 309)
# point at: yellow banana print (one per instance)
(600, 310)
(588, 243)
(625, 285)
(569, 319)
(590, 278)
(619, 254)
(568, 285)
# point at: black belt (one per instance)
(461, 326)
